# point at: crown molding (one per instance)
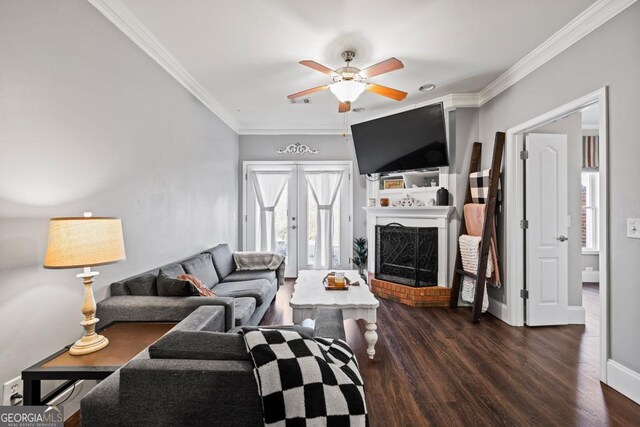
(582, 25)
(294, 130)
(450, 102)
(122, 17)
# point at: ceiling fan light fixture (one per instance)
(347, 90)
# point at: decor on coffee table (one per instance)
(85, 242)
(357, 303)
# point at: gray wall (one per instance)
(572, 127)
(331, 147)
(606, 57)
(591, 260)
(90, 122)
(463, 132)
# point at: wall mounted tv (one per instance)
(410, 140)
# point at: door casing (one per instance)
(513, 311)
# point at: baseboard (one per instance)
(624, 380)
(590, 276)
(576, 315)
(500, 310)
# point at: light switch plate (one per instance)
(633, 228)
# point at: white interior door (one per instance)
(295, 213)
(546, 236)
(324, 179)
(263, 219)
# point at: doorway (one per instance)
(302, 210)
(541, 224)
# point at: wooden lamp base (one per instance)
(88, 344)
(91, 341)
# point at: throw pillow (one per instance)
(204, 291)
(144, 285)
(170, 287)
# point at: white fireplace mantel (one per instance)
(415, 216)
(411, 212)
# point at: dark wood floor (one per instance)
(434, 367)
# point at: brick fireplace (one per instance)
(411, 251)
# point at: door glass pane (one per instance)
(312, 212)
(336, 232)
(282, 222)
(312, 232)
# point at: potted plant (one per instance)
(361, 253)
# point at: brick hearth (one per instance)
(432, 296)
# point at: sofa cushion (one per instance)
(258, 289)
(172, 270)
(143, 285)
(201, 266)
(170, 287)
(243, 310)
(244, 275)
(222, 260)
(199, 345)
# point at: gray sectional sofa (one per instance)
(195, 375)
(244, 295)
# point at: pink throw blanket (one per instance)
(474, 220)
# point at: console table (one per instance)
(126, 340)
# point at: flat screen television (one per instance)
(410, 140)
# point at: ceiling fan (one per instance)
(349, 82)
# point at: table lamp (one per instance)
(84, 242)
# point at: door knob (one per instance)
(563, 238)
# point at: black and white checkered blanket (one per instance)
(305, 381)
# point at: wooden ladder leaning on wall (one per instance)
(489, 224)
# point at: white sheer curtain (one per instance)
(324, 189)
(269, 186)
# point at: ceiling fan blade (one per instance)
(318, 67)
(307, 92)
(390, 64)
(343, 107)
(396, 94)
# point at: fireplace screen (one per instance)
(407, 255)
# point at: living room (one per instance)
(164, 115)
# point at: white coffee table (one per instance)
(356, 303)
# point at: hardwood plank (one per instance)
(434, 367)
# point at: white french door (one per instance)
(546, 236)
(302, 210)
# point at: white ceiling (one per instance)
(245, 53)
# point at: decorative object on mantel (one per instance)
(371, 202)
(407, 201)
(442, 197)
(297, 148)
(384, 201)
(393, 184)
(85, 242)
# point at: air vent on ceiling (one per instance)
(300, 101)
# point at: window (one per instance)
(590, 221)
